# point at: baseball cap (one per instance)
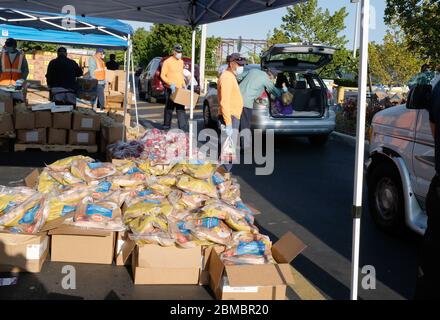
(100, 50)
(62, 49)
(178, 48)
(237, 58)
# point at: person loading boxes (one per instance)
(172, 76)
(14, 68)
(97, 71)
(61, 78)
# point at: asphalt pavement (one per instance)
(309, 193)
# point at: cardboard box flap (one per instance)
(9, 238)
(75, 231)
(216, 268)
(287, 248)
(31, 179)
(285, 270)
(253, 275)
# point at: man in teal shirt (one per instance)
(252, 83)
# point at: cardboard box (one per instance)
(112, 134)
(23, 252)
(6, 123)
(87, 88)
(183, 97)
(118, 116)
(35, 136)
(86, 122)
(24, 120)
(119, 84)
(153, 264)
(123, 249)
(36, 96)
(71, 244)
(256, 282)
(57, 136)
(206, 258)
(61, 108)
(86, 138)
(62, 120)
(43, 119)
(6, 104)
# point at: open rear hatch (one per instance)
(295, 65)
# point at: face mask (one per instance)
(178, 56)
(239, 70)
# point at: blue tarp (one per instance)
(42, 32)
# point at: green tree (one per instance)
(30, 46)
(420, 20)
(392, 63)
(141, 47)
(306, 22)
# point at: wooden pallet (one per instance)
(58, 148)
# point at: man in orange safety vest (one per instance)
(13, 66)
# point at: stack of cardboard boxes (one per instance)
(6, 111)
(114, 91)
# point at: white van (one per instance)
(400, 168)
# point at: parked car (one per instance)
(150, 83)
(298, 65)
(400, 168)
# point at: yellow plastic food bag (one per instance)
(46, 183)
(190, 184)
(200, 171)
(65, 163)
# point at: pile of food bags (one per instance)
(183, 204)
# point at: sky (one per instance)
(257, 30)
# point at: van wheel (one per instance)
(319, 140)
(207, 119)
(385, 198)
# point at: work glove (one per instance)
(173, 88)
(229, 130)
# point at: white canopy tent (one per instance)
(197, 12)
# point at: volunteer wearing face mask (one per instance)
(229, 97)
(14, 68)
(252, 84)
(97, 70)
(172, 76)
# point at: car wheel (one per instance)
(207, 120)
(385, 197)
(319, 140)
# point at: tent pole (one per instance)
(202, 59)
(134, 88)
(127, 79)
(360, 146)
(191, 113)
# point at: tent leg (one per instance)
(134, 89)
(127, 79)
(360, 146)
(202, 59)
(191, 113)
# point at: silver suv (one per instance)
(296, 65)
(400, 168)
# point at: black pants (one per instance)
(168, 112)
(428, 282)
(245, 123)
(101, 96)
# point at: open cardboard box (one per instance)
(124, 248)
(72, 244)
(153, 264)
(256, 282)
(23, 252)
